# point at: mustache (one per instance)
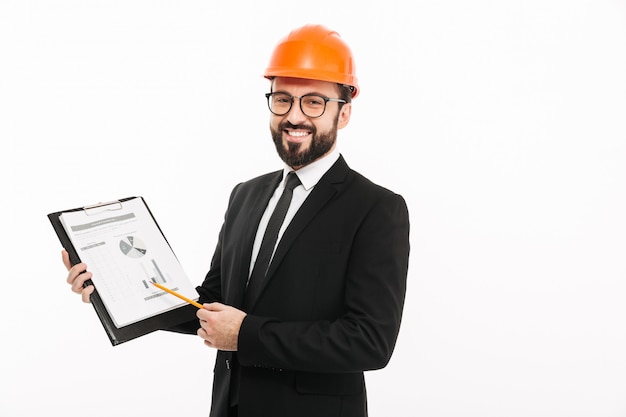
(289, 125)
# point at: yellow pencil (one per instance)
(182, 297)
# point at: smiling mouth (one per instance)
(296, 135)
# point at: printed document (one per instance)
(125, 251)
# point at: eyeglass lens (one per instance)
(312, 105)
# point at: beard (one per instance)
(293, 155)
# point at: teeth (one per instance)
(298, 134)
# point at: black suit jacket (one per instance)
(330, 306)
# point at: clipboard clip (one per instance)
(100, 207)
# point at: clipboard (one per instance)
(118, 335)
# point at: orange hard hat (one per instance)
(316, 53)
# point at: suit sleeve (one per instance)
(364, 335)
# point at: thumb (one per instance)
(213, 306)
(66, 259)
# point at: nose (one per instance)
(295, 115)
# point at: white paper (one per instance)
(125, 250)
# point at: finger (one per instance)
(205, 338)
(203, 314)
(79, 282)
(66, 259)
(75, 271)
(86, 293)
(203, 334)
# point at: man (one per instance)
(294, 336)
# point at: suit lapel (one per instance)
(251, 216)
(324, 190)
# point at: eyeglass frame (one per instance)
(324, 98)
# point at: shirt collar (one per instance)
(311, 174)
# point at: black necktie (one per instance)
(269, 238)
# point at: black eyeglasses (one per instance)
(312, 105)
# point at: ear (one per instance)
(344, 115)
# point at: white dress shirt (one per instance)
(309, 176)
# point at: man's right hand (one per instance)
(76, 277)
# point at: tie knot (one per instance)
(292, 181)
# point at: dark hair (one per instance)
(345, 92)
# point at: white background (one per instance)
(502, 123)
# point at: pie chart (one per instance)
(133, 247)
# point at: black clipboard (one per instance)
(118, 335)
